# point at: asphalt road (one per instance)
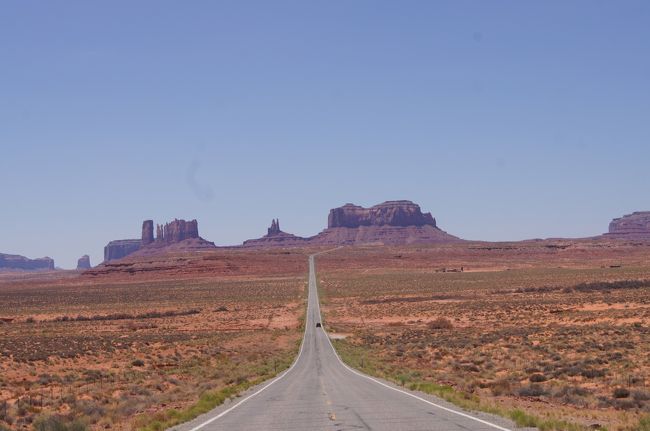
(319, 392)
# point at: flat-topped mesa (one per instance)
(391, 213)
(635, 225)
(120, 248)
(11, 262)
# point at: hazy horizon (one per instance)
(505, 120)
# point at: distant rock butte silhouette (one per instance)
(275, 237)
(633, 226)
(392, 222)
(84, 262)
(12, 262)
(175, 235)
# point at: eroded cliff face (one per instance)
(177, 234)
(635, 225)
(391, 213)
(10, 262)
(177, 230)
(120, 248)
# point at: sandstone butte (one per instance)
(83, 262)
(178, 235)
(630, 226)
(389, 223)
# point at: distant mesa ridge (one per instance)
(175, 235)
(634, 226)
(392, 222)
(12, 262)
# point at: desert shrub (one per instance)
(532, 391)
(91, 409)
(138, 363)
(440, 323)
(640, 395)
(58, 423)
(621, 393)
(644, 424)
(592, 373)
(537, 378)
(501, 387)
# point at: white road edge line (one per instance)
(399, 390)
(281, 376)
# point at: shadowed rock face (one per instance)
(391, 213)
(83, 262)
(275, 228)
(16, 262)
(635, 225)
(147, 232)
(120, 248)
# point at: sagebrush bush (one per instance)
(441, 323)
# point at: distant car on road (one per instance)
(318, 324)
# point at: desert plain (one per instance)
(553, 334)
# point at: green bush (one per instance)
(644, 424)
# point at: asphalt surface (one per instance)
(319, 392)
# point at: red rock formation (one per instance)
(391, 213)
(147, 232)
(635, 226)
(179, 230)
(120, 248)
(276, 238)
(390, 223)
(9, 262)
(168, 236)
(84, 262)
(275, 228)
(393, 222)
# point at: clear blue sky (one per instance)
(505, 119)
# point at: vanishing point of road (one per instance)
(319, 392)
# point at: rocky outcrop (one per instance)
(121, 248)
(178, 235)
(391, 213)
(84, 262)
(275, 228)
(390, 223)
(177, 230)
(633, 226)
(11, 262)
(147, 232)
(276, 238)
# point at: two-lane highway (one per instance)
(319, 392)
